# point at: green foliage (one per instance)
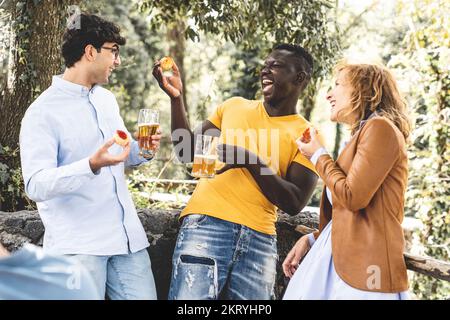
(4, 43)
(145, 191)
(255, 26)
(413, 41)
(425, 64)
(245, 68)
(12, 192)
(22, 30)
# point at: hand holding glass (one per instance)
(148, 124)
(205, 157)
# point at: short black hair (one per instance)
(305, 59)
(87, 29)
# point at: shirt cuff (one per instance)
(317, 155)
(83, 167)
(135, 159)
(311, 239)
(145, 160)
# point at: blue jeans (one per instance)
(121, 277)
(217, 259)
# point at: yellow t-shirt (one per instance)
(234, 195)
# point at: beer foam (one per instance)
(206, 156)
(148, 124)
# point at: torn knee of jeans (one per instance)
(201, 246)
(175, 269)
(180, 239)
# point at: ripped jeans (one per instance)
(217, 259)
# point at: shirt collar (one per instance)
(70, 87)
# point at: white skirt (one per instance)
(316, 278)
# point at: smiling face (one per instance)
(340, 99)
(279, 77)
(105, 62)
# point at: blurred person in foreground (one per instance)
(31, 274)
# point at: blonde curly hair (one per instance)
(374, 89)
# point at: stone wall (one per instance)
(162, 229)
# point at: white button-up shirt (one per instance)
(83, 212)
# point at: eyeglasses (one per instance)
(115, 51)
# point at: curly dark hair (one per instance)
(90, 30)
(306, 63)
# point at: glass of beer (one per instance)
(148, 123)
(205, 157)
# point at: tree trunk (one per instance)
(34, 59)
(308, 106)
(32, 71)
(309, 99)
(337, 140)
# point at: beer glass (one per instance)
(148, 123)
(205, 157)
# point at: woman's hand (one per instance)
(308, 149)
(298, 251)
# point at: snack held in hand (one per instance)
(121, 138)
(306, 136)
(166, 63)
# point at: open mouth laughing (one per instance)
(267, 85)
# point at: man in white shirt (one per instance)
(75, 172)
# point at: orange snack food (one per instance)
(121, 138)
(166, 63)
(306, 136)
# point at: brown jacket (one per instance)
(367, 183)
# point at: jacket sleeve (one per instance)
(377, 152)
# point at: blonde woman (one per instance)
(358, 251)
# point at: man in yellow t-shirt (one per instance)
(226, 246)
